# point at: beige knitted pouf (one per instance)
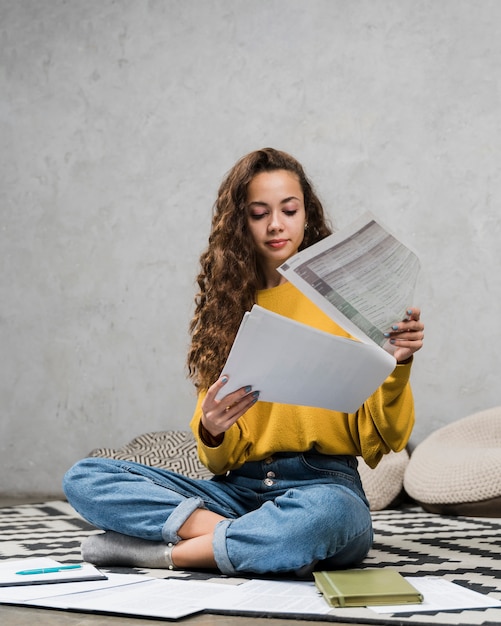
(457, 469)
(384, 483)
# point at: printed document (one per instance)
(142, 596)
(441, 595)
(363, 278)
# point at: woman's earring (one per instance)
(306, 225)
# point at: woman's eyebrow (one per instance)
(257, 203)
(265, 204)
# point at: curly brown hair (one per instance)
(230, 273)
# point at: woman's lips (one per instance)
(276, 243)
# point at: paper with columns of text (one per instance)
(362, 277)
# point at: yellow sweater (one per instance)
(383, 423)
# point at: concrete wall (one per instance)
(118, 120)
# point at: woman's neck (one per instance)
(273, 279)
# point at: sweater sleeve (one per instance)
(385, 421)
(230, 453)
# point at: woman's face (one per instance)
(276, 216)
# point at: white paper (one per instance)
(8, 575)
(152, 597)
(27, 593)
(268, 596)
(362, 277)
(440, 595)
(138, 595)
(291, 363)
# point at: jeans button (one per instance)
(268, 482)
(270, 474)
(269, 460)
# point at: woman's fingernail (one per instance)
(395, 327)
(256, 394)
(224, 379)
(409, 312)
(247, 389)
(392, 341)
(386, 334)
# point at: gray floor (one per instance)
(20, 616)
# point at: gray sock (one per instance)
(111, 548)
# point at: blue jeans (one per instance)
(282, 513)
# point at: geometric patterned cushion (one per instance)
(457, 469)
(176, 450)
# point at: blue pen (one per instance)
(47, 570)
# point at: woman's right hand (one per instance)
(219, 415)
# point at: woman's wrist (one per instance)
(213, 441)
(405, 361)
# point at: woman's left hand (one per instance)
(407, 336)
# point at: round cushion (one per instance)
(384, 483)
(457, 469)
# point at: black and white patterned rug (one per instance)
(466, 551)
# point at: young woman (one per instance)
(286, 495)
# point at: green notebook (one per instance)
(366, 587)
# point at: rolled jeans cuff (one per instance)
(221, 557)
(178, 517)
